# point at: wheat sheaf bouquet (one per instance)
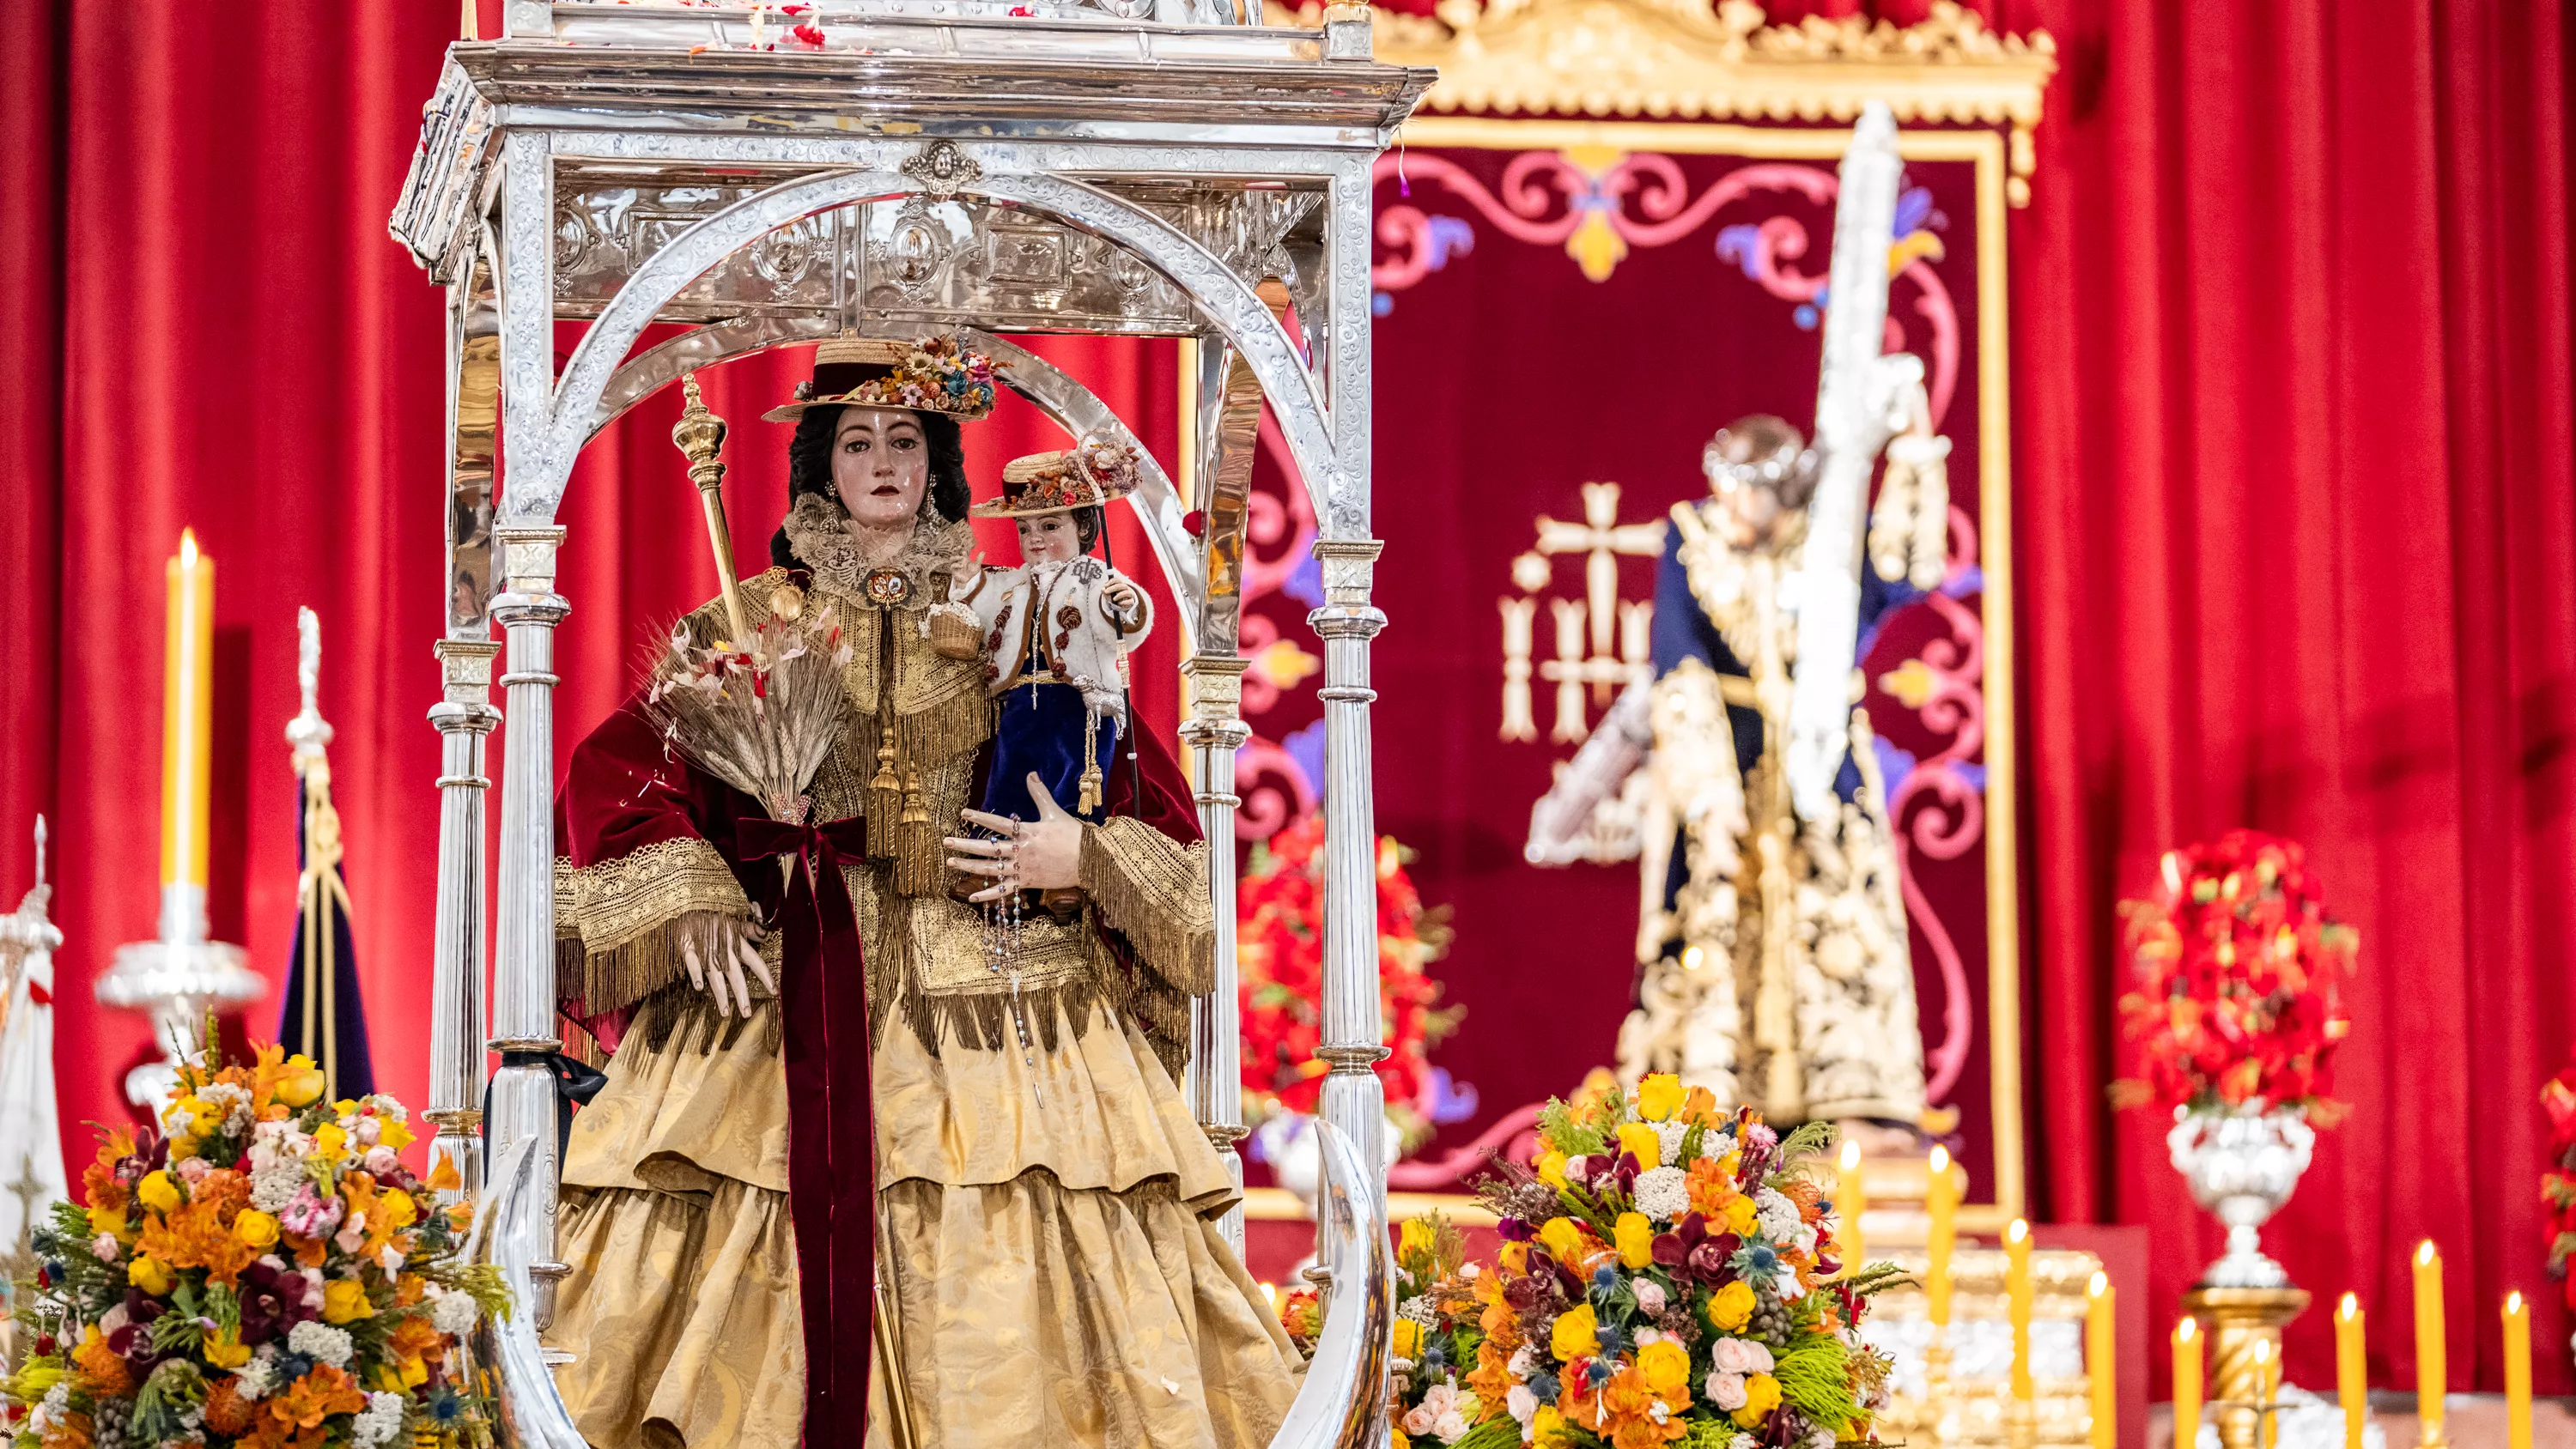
(1669, 1277)
(758, 711)
(264, 1271)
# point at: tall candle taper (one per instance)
(2102, 1361)
(1851, 1199)
(2517, 1372)
(187, 730)
(2431, 1372)
(2267, 1372)
(2018, 1299)
(177, 979)
(2186, 1383)
(2352, 1370)
(1941, 1200)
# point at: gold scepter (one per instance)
(700, 435)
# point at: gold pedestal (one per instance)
(2237, 1319)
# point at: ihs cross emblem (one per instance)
(1586, 628)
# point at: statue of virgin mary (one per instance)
(974, 1134)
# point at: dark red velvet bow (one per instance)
(831, 1118)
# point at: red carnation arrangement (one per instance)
(2558, 1185)
(1280, 947)
(2239, 971)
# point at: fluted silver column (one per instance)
(456, 1025)
(523, 981)
(1352, 1097)
(1214, 731)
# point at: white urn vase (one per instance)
(2242, 1165)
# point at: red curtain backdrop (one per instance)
(2293, 449)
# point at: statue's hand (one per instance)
(1040, 854)
(717, 948)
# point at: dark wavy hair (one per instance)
(809, 469)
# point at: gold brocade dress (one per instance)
(1061, 1280)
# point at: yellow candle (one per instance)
(2017, 1285)
(2267, 1364)
(2517, 1372)
(2352, 1370)
(187, 712)
(2430, 1374)
(1941, 1199)
(2186, 1388)
(2102, 1362)
(1851, 1199)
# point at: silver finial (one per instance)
(308, 732)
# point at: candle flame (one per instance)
(2262, 1350)
(2513, 1304)
(2100, 1285)
(1851, 1157)
(2187, 1330)
(187, 548)
(2350, 1308)
(2019, 1230)
(1940, 1160)
(2426, 1253)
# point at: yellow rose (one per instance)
(301, 1085)
(1576, 1334)
(394, 1135)
(255, 1228)
(1740, 1217)
(149, 1274)
(1551, 1169)
(158, 1192)
(344, 1299)
(1636, 1239)
(1761, 1396)
(1665, 1366)
(1731, 1307)
(1413, 1237)
(225, 1350)
(1640, 1139)
(328, 1142)
(395, 1207)
(1397, 1440)
(1659, 1096)
(1408, 1339)
(110, 1221)
(1547, 1429)
(1562, 1237)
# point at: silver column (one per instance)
(1214, 731)
(456, 1024)
(523, 983)
(1352, 1097)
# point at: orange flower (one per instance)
(196, 1237)
(227, 1412)
(1710, 1187)
(296, 1416)
(1628, 1402)
(1491, 1378)
(1700, 1106)
(102, 1370)
(71, 1431)
(414, 1344)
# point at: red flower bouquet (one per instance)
(1281, 950)
(2237, 1003)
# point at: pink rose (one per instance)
(193, 1170)
(1739, 1356)
(1650, 1297)
(1726, 1391)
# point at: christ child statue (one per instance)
(1057, 631)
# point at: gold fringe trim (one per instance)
(624, 911)
(1153, 890)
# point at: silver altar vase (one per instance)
(2242, 1165)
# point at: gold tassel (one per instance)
(884, 778)
(1090, 799)
(914, 811)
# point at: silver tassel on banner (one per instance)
(1909, 526)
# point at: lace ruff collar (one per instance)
(818, 530)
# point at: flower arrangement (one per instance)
(2558, 1184)
(1669, 1278)
(758, 713)
(2238, 1003)
(1280, 945)
(264, 1272)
